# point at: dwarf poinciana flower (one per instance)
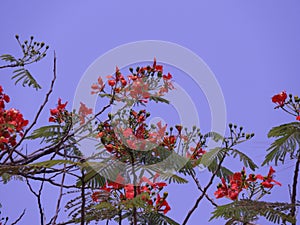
(12, 123)
(268, 181)
(162, 204)
(99, 87)
(83, 112)
(58, 114)
(239, 182)
(149, 189)
(280, 98)
(195, 153)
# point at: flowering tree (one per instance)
(126, 176)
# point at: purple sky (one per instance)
(253, 48)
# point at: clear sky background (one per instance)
(252, 47)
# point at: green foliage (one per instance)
(92, 177)
(27, 79)
(287, 142)
(32, 52)
(248, 210)
(8, 58)
(212, 155)
(248, 162)
(50, 133)
(155, 218)
(159, 99)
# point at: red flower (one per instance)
(222, 189)
(95, 196)
(57, 114)
(268, 181)
(167, 77)
(280, 98)
(298, 118)
(161, 202)
(129, 191)
(83, 112)
(61, 106)
(111, 83)
(124, 82)
(98, 87)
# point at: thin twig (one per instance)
(60, 194)
(19, 218)
(82, 219)
(204, 191)
(201, 189)
(38, 196)
(40, 109)
(294, 189)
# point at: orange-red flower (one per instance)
(83, 112)
(280, 98)
(268, 181)
(162, 204)
(12, 123)
(57, 114)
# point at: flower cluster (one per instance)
(83, 112)
(141, 85)
(239, 182)
(59, 114)
(12, 123)
(291, 105)
(148, 191)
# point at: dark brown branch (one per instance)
(201, 189)
(204, 191)
(19, 218)
(82, 219)
(10, 66)
(60, 194)
(294, 189)
(40, 109)
(38, 196)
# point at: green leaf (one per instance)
(214, 135)
(8, 58)
(248, 210)
(159, 99)
(212, 155)
(47, 133)
(287, 142)
(244, 158)
(50, 163)
(27, 79)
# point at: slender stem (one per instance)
(82, 219)
(19, 218)
(134, 188)
(294, 188)
(60, 195)
(38, 196)
(39, 111)
(204, 191)
(201, 189)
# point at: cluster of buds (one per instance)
(239, 182)
(12, 123)
(290, 104)
(148, 190)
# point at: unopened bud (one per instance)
(165, 194)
